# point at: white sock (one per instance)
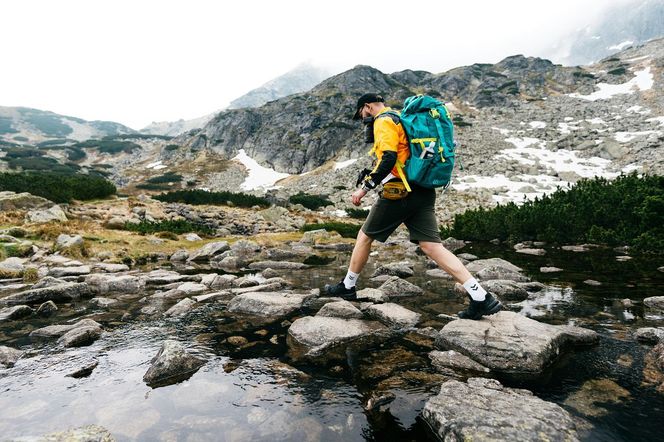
(351, 279)
(474, 289)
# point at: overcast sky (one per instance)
(140, 61)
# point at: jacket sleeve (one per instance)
(386, 141)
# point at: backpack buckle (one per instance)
(434, 113)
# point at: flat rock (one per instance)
(322, 339)
(649, 335)
(509, 343)
(81, 336)
(439, 273)
(172, 364)
(277, 265)
(373, 295)
(654, 302)
(102, 302)
(9, 356)
(578, 248)
(453, 363)
(15, 312)
(217, 282)
(394, 315)
(530, 251)
(550, 269)
(396, 287)
(54, 331)
(208, 251)
(181, 308)
(481, 264)
(483, 410)
(162, 277)
(267, 304)
(340, 309)
(104, 283)
(179, 256)
(505, 289)
(88, 433)
(39, 216)
(59, 272)
(400, 269)
(192, 288)
(111, 267)
(85, 369)
(68, 291)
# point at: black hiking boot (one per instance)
(477, 309)
(340, 291)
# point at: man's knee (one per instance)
(363, 239)
(429, 247)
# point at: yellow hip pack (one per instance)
(394, 190)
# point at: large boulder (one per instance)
(54, 331)
(68, 291)
(54, 213)
(394, 315)
(483, 410)
(16, 312)
(509, 343)
(68, 242)
(481, 264)
(22, 201)
(654, 302)
(340, 309)
(103, 283)
(267, 304)
(322, 339)
(649, 335)
(505, 289)
(81, 336)
(172, 364)
(208, 251)
(396, 287)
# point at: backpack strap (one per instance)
(396, 118)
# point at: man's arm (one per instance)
(386, 141)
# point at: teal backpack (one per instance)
(430, 134)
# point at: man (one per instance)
(416, 211)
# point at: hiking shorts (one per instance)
(416, 211)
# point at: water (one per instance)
(251, 393)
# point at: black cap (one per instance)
(366, 99)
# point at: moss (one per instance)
(30, 275)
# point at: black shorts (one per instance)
(416, 211)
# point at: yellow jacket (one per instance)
(389, 136)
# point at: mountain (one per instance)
(300, 79)
(627, 24)
(26, 125)
(174, 128)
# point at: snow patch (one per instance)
(596, 121)
(642, 81)
(259, 176)
(343, 164)
(660, 120)
(537, 124)
(502, 131)
(626, 137)
(638, 110)
(525, 142)
(566, 128)
(620, 46)
(156, 165)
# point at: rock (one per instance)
(192, 288)
(267, 304)
(245, 251)
(59, 272)
(280, 265)
(400, 269)
(66, 242)
(10, 201)
(16, 312)
(505, 289)
(65, 292)
(86, 369)
(316, 236)
(578, 248)
(54, 331)
(439, 273)
(179, 256)
(550, 269)
(160, 277)
(213, 296)
(88, 433)
(102, 283)
(482, 409)
(172, 364)
(237, 341)
(373, 295)
(654, 302)
(453, 244)
(54, 213)
(653, 370)
(47, 309)
(649, 335)
(529, 251)
(12, 265)
(509, 343)
(217, 282)
(102, 302)
(394, 315)
(192, 237)
(453, 363)
(481, 264)
(81, 336)
(322, 339)
(9, 356)
(181, 308)
(116, 223)
(592, 282)
(111, 268)
(208, 251)
(340, 309)
(467, 256)
(396, 287)
(593, 392)
(376, 401)
(497, 272)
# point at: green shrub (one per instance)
(213, 198)
(176, 227)
(152, 186)
(171, 147)
(109, 146)
(357, 213)
(344, 229)
(312, 202)
(59, 188)
(169, 177)
(626, 211)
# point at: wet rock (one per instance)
(192, 288)
(534, 252)
(467, 256)
(179, 256)
(379, 399)
(550, 269)
(216, 296)
(340, 309)
(16, 312)
(47, 309)
(653, 370)
(509, 343)
(439, 273)
(102, 302)
(162, 277)
(81, 336)
(505, 289)
(323, 339)
(578, 248)
(394, 315)
(237, 341)
(172, 364)
(9, 356)
(654, 302)
(267, 304)
(86, 369)
(400, 269)
(649, 335)
(279, 265)
(208, 251)
(102, 283)
(218, 282)
(88, 433)
(596, 391)
(54, 331)
(592, 282)
(396, 287)
(373, 295)
(482, 409)
(500, 263)
(181, 308)
(498, 272)
(59, 272)
(40, 216)
(68, 291)
(455, 364)
(67, 242)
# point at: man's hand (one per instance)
(357, 196)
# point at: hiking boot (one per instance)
(340, 291)
(477, 309)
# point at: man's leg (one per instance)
(481, 302)
(359, 258)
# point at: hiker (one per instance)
(397, 205)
